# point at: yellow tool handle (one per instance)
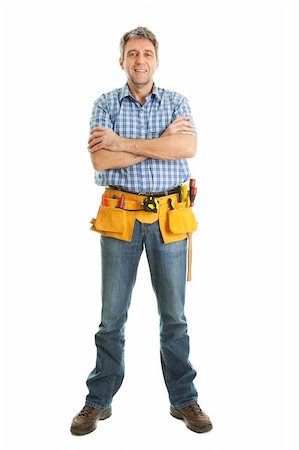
(189, 274)
(184, 192)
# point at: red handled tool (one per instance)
(192, 190)
(122, 201)
(104, 200)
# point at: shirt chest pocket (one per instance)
(155, 129)
(153, 132)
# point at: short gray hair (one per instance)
(138, 33)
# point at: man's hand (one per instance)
(104, 138)
(180, 125)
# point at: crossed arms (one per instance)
(110, 151)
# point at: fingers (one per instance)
(95, 133)
(94, 149)
(182, 123)
(95, 138)
(98, 129)
(183, 127)
(182, 119)
(93, 143)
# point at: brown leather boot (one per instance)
(194, 418)
(86, 420)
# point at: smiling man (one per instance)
(141, 137)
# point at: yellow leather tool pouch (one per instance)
(114, 222)
(177, 223)
(181, 220)
(111, 219)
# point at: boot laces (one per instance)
(196, 409)
(86, 411)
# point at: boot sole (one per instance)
(82, 431)
(197, 429)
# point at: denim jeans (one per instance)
(167, 264)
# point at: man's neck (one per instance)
(140, 92)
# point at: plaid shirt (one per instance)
(122, 113)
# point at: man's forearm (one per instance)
(176, 142)
(105, 159)
(165, 147)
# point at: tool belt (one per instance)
(176, 218)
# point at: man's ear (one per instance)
(121, 63)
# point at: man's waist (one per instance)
(175, 190)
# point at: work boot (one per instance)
(86, 420)
(194, 418)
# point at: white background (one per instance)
(237, 62)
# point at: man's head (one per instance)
(139, 56)
(138, 33)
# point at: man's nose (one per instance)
(140, 59)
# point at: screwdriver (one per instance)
(184, 192)
(122, 201)
(192, 190)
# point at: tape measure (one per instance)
(150, 204)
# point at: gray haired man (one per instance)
(141, 137)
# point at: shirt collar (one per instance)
(125, 92)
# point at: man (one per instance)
(140, 138)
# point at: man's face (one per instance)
(140, 61)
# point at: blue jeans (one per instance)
(167, 264)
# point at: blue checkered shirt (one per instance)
(122, 113)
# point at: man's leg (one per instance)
(119, 267)
(168, 273)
